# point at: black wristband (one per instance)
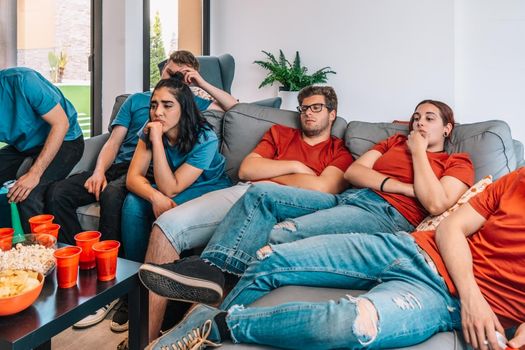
(383, 183)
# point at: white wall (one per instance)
(490, 61)
(121, 52)
(388, 54)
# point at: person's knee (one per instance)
(260, 189)
(112, 194)
(264, 252)
(133, 204)
(365, 324)
(57, 194)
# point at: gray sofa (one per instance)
(490, 144)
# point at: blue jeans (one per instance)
(138, 217)
(251, 223)
(188, 226)
(411, 300)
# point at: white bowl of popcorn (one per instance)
(34, 253)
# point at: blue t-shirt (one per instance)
(25, 96)
(134, 114)
(204, 155)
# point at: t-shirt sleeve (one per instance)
(342, 157)
(142, 136)
(202, 104)
(203, 153)
(123, 117)
(41, 97)
(487, 202)
(267, 147)
(460, 166)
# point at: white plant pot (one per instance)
(289, 100)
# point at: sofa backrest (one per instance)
(489, 143)
(245, 124)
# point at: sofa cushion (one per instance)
(245, 124)
(490, 146)
(215, 118)
(440, 341)
(88, 216)
(489, 143)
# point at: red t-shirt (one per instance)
(284, 143)
(498, 248)
(396, 162)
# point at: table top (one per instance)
(56, 309)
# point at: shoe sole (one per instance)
(178, 287)
(96, 320)
(115, 327)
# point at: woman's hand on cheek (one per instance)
(154, 131)
(417, 142)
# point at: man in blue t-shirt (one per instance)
(36, 121)
(107, 183)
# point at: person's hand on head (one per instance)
(191, 76)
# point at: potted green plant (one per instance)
(292, 76)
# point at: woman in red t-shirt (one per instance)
(396, 184)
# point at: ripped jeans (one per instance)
(409, 301)
(251, 222)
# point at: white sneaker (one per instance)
(97, 317)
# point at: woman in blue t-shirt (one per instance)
(181, 149)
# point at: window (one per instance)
(54, 38)
(173, 25)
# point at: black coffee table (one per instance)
(57, 309)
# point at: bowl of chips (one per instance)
(34, 253)
(18, 290)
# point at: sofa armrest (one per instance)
(92, 148)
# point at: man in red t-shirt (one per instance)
(309, 158)
(469, 275)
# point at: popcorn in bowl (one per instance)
(35, 254)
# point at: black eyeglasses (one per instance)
(316, 108)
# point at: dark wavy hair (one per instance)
(191, 122)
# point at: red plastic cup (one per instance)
(85, 240)
(106, 255)
(6, 232)
(67, 266)
(39, 220)
(50, 229)
(6, 243)
(6, 238)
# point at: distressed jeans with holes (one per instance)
(411, 300)
(250, 224)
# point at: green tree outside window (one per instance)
(157, 52)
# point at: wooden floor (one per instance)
(99, 337)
